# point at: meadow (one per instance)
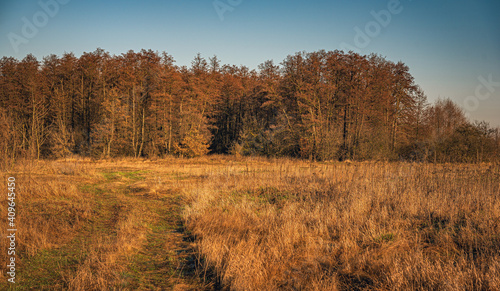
(234, 223)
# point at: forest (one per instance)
(324, 105)
(134, 173)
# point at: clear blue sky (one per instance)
(448, 44)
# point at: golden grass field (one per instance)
(232, 223)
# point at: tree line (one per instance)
(319, 105)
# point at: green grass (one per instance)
(130, 175)
(387, 237)
(46, 269)
(152, 267)
(92, 188)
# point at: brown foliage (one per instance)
(319, 105)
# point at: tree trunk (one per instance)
(139, 153)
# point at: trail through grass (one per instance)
(216, 223)
(133, 239)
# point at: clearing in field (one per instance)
(254, 224)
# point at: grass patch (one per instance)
(128, 175)
(313, 227)
(257, 224)
(92, 189)
(388, 237)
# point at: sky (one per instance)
(452, 47)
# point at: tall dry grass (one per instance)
(264, 224)
(49, 207)
(52, 210)
(294, 225)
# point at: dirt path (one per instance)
(134, 240)
(166, 260)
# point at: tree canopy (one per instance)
(323, 105)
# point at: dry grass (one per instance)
(257, 224)
(374, 226)
(49, 206)
(107, 255)
(80, 223)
